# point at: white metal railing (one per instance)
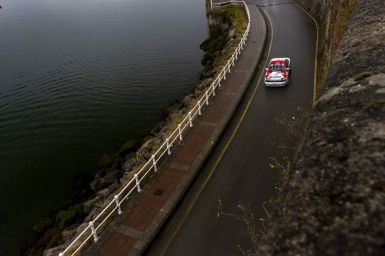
(212, 5)
(96, 225)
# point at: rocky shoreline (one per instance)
(226, 26)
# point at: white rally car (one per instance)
(278, 72)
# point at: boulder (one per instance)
(105, 161)
(81, 227)
(96, 185)
(144, 153)
(52, 237)
(130, 164)
(129, 156)
(127, 177)
(171, 108)
(43, 225)
(156, 130)
(54, 251)
(103, 193)
(93, 213)
(68, 233)
(88, 205)
(100, 173)
(113, 187)
(128, 147)
(68, 217)
(187, 101)
(111, 176)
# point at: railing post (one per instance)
(224, 74)
(199, 108)
(180, 132)
(137, 183)
(154, 163)
(214, 91)
(233, 62)
(190, 119)
(93, 231)
(207, 98)
(168, 146)
(118, 204)
(61, 254)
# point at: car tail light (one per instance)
(267, 74)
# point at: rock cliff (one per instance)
(333, 202)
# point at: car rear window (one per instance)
(277, 67)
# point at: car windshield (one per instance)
(276, 67)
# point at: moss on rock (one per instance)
(105, 161)
(43, 225)
(128, 147)
(67, 217)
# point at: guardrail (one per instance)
(212, 5)
(134, 185)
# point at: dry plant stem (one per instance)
(249, 227)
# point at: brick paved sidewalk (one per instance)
(132, 231)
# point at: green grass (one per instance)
(220, 47)
(235, 14)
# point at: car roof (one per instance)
(277, 61)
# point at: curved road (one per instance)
(237, 172)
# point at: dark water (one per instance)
(79, 78)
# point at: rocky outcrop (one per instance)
(333, 202)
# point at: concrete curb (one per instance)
(184, 185)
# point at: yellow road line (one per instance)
(316, 55)
(213, 169)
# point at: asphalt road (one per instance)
(238, 172)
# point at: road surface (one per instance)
(237, 173)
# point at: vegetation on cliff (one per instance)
(226, 25)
